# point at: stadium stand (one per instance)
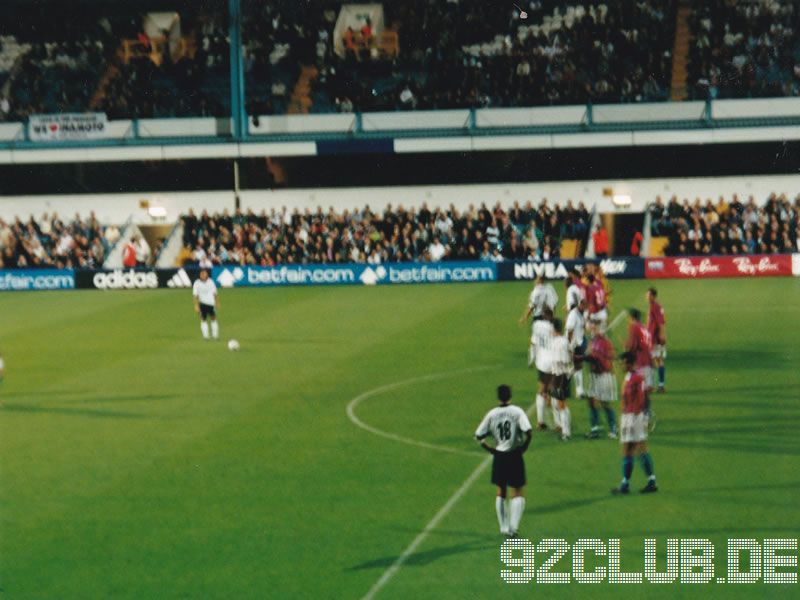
(735, 227)
(745, 49)
(431, 54)
(394, 235)
(476, 54)
(53, 242)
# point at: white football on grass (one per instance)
(233, 345)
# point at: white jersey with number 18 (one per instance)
(506, 424)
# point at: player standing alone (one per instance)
(206, 303)
(511, 430)
(656, 325)
(633, 428)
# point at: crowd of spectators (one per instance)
(745, 49)
(59, 68)
(472, 53)
(51, 242)
(395, 234)
(734, 227)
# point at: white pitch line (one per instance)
(351, 407)
(616, 320)
(437, 518)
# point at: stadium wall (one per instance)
(118, 208)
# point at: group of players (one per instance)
(558, 350)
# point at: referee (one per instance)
(511, 430)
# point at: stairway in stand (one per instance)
(111, 73)
(301, 102)
(680, 54)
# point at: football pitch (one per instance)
(138, 461)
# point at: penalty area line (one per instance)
(432, 524)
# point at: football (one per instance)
(233, 345)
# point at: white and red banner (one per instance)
(67, 127)
(702, 267)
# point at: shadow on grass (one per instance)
(70, 412)
(90, 397)
(425, 558)
(787, 448)
(756, 359)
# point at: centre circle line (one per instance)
(351, 408)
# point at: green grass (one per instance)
(137, 461)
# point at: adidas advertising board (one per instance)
(135, 279)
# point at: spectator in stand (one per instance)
(600, 239)
(395, 235)
(744, 49)
(52, 243)
(636, 243)
(129, 253)
(733, 228)
(142, 252)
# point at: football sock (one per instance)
(556, 415)
(517, 506)
(594, 417)
(611, 418)
(539, 408)
(214, 329)
(566, 422)
(627, 469)
(647, 464)
(578, 383)
(502, 514)
(661, 375)
(204, 329)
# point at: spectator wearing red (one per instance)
(129, 254)
(600, 238)
(349, 39)
(366, 34)
(636, 243)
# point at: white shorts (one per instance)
(646, 373)
(633, 427)
(603, 387)
(600, 318)
(659, 351)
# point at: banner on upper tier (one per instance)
(23, 280)
(67, 127)
(614, 268)
(354, 274)
(695, 267)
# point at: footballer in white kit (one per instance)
(542, 296)
(541, 356)
(562, 368)
(576, 335)
(206, 303)
(511, 430)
